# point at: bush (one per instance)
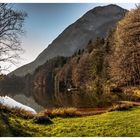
(131, 93)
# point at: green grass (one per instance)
(116, 123)
(4, 129)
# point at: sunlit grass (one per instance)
(60, 112)
(116, 123)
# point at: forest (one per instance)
(106, 71)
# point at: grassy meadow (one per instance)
(114, 124)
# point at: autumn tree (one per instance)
(11, 29)
(125, 60)
(80, 71)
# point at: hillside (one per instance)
(95, 23)
(116, 123)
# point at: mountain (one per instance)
(95, 23)
(11, 103)
(106, 71)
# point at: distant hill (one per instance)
(95, 23)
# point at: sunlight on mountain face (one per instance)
(9, 102)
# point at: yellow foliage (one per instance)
(137, 92)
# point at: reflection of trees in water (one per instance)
(29, 101)
(42, 97)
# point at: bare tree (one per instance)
(11, 29)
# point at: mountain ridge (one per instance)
(95, 23)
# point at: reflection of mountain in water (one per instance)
(40, 96)
(29, 101)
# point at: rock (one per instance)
(42, 120)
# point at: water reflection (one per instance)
(29, 101)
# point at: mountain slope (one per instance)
(95, 23)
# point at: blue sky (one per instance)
(46, 21)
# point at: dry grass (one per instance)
(16, 111)
(60, 112)
(72, 112)
(121, 107)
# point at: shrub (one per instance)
(131, 94)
